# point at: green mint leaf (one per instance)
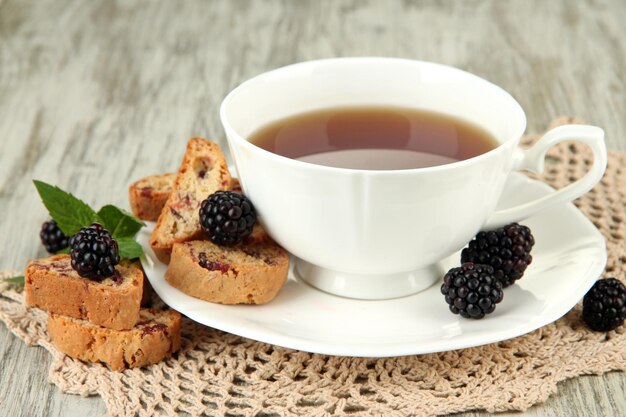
(63, 251)
(69, 212)
(19, 280)
(129, 248)
(119, 222)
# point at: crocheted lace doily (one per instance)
(219, 374)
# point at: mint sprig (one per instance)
(71, 214)
(129, 248)
(119, 222)
(19, 280)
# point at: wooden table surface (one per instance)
(94, 94)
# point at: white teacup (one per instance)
(376, 234)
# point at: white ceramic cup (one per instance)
(376, 234)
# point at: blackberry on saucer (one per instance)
(506, 249)
(472, 290)
(52, 237)
(94, 252)
(227, 217)
(604, 306)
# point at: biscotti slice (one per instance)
(203, 172)
(148, 195)
(51, 284)
(155, 337)
(245, 274)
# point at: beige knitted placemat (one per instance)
(219, 374)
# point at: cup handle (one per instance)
(533, 160)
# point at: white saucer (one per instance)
(569, 255)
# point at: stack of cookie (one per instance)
(250, 272)
(101, 321)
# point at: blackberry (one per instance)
(506, 249)
(227, 217)
(472, 290)
(94, 252)
(52, 238)
(604, 306)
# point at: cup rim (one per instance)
(233, 135)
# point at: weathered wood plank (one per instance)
(94, 94)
